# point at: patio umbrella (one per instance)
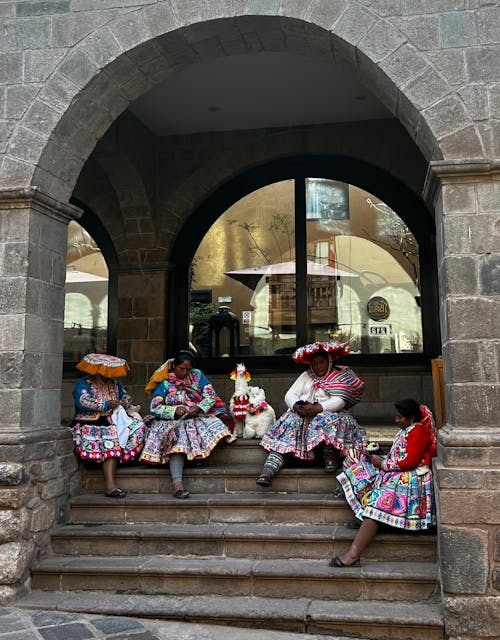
(251, 276)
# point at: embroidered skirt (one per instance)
(98, 440)
(299, 436)
(195, 437)
(402, 499)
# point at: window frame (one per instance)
(93, 225)
(376, 181)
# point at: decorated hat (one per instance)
(100, 364)
(159, 375)
(335, 349)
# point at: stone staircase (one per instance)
(236, 554)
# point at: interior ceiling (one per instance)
(255, 91)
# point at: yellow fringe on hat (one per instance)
(101, 369)
(159, 375)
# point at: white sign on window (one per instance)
(380, 330)
(246, 317)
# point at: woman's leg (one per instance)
(367, 532)
(332, 460)
(109, 470)
(176, 465)
(271, 467)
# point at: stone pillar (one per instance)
(466, 196)
(141, 324)
(38, 465)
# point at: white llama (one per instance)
(239, 400)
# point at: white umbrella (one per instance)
(251, 275)
(73, 275)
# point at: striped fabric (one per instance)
(342, 382)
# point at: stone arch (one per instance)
(123, 59)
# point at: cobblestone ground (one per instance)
(21, 624)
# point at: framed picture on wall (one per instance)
(326, 200)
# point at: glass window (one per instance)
(86, 298)
(247, 262)
(363, 271)
(361, 274)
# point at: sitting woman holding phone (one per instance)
(396, 489)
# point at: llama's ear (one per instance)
(233, 374)
(247, 375)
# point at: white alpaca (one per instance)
(239, 400)
(260, 415)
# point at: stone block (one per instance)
(11, 67)
(12, 498)
(481, 64)
(79, 68)
(380, 41)
(41, 118)
(452, 478)
(27, 144)
(31, 33)
(40, 64)
(59, 91)
(471, 234)
(15, 172)
(489, 352)
(130, 328)
(458, 29)
(11, 473)
(470, 318)
(12, 525)
(431, 6)
(489, 275)
(324, 14)
(42, 518)
(497, 545)
(42, 8)
(102, 46)
(488, 197)
(403, 64)
(451, 64)
(11, 368)
(146, 351)
(446, 116)
(394, 388)
(465, 143)
(18, 98)
(159, 19)
(354, 23)
(426, 89)
(474, 404)
(459, 275)
(461, 359)
(14, 561)
(422, 31)
(488, 20)
(470, 575)
(469, 507)
(471, 617)
(147, 307)
(12, 295)
(459, 198)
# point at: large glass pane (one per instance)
(86, 300)
(363, 271)
(247, 262)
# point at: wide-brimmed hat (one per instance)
(101, 364)
(335, 349)
(159, 375)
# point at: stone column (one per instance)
(466, 196)
(38, 465)
(141, 323)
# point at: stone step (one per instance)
(264, 507)
(373, 620)
(290, 578)
(208, 478)
(234, 541)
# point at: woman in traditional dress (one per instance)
(317, 412)
(186, 422)
(395, 489)
(102, 429)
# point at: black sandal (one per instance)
(181, 494)
(115, 493)
(337, 562)
(264, 480)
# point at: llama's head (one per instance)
(240, 372)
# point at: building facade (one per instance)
(75, 147)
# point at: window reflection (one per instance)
(358, 251)
(86, 297)
(247, 262)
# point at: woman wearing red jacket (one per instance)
(396, 489)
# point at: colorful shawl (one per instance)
(342, 382)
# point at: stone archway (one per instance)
(114, 58)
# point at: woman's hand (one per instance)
(307, 409)
(375, 460)
(112, 404)
(180, 411)
(194, 411)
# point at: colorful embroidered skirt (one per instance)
(98, 440)
(195, 437)
(299, 436)
(402, 499)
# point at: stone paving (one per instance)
(24, 624)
